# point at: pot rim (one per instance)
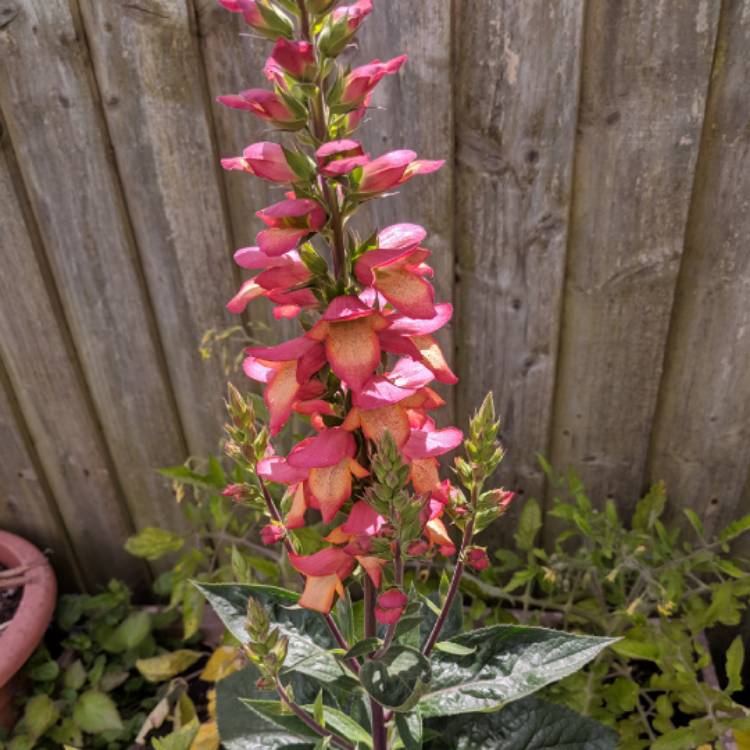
(34, 613)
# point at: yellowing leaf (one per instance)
(742, 739)
(211, 698)
(223, 662)
(207, 737)
(166, 666)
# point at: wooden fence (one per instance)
(591, 226)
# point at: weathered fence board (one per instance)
(517, 95)
(57, 131)
(150, 77)
(42, 368)
(646, 67)
(411, 110)
(701, 441)
(26, 506)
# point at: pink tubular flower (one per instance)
(272, 533)
(411, 337)
(268, 105)
(393, 169)
(360, 82)
(281, 273)
(390, 606)
(337, 158)
(271, 23)
(476, 557)
(289, 221)
(293, 57)
(349, 330)
(329, 456)
(353, 15)
(397, 271)
(264, 160)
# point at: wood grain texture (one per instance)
(27, 506)
(414, 109)
(52, 398)
(516, 102)
(49, 102)
(701, 439)
(149, 73)
(234, 60)
(646, 68)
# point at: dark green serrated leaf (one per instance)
(398, 678)
(528, 724)
(410, 729)
(510, 662)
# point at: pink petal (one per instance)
(429, 443)
(329, 561)
(327, 448)
(288, 350)
(277, 241)
(401, 236)
(346, 308)
(276, 469)
(258, 370)
(417, 326)
(363, 520)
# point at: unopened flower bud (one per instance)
(476, 558)
(272, 533)
(390, 606)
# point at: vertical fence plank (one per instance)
(26, 507)
(49, 101)
(516, 104)
(149, 72)
(645, 76)
(414, 110)
(701, 440)
(49, 390)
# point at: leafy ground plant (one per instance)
(87, 688)
(659, 586)
(360, 659)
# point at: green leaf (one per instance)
(410, 729)
(735, 529)
(152, 543)
(363, 647)
(95, 712)
(39, 715)
(649, 509)
(182, 739)
(165, 666)
(528, 724)
(242, 729)
(309, 639)
(451, 647)
(632, 648)
(695, 521)
(509, 662)
(75, 675)
(344, 726)
(45, 672)
(397, 678)
(735, 661)
(129, 633)
(529, 525)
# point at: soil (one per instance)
(10, 598)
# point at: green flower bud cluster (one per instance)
(267, 648)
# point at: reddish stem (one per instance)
(379, 734)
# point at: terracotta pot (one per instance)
(26, 630)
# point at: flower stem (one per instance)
(398, 570)
(308, 720)
(452, 591)
(338, 636)
(379, 734)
